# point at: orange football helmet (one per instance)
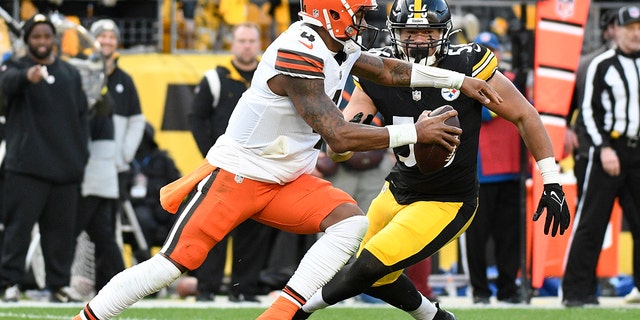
(344, 19)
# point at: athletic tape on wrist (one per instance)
(426, 76)
(549, 170)
(402, 134)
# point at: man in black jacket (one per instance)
(46, 134)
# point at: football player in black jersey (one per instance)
(417, 214)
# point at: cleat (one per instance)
(241, 297)
(11, 294)
(205, 297)
(282, 308)
(442, 314)
(301, 315)
(633, 296)
(573, 303)
(65, 295)
(581, 302)
(481, 300)
(514, 299)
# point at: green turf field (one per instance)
(54, 313)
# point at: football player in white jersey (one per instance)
(260, 168)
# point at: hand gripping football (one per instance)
(432, 157)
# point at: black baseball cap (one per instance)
(29, 24)
(608, 18)
(627, 15)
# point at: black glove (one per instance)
(557, 210)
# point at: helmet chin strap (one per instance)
(350, 47)
(431, 60)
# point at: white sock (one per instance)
(426, 310)
(133, 284)
(327, 255)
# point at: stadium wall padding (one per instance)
(165, 84)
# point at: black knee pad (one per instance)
(368, 267)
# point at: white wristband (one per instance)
(426, 76)
(402, 134)
(549, 170)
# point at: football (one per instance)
(432, 157)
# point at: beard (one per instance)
(247, 60)
(40, 55)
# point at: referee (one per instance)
(611, 115)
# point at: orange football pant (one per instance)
(224, 200)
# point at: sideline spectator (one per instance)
(498, 218)
(128, 120)
(47, 138)
(98, 203)
(152, 169)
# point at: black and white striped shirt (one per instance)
(611, 105)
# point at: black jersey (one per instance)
(458, 181)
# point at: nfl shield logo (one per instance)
(565, 8)
(416, 95)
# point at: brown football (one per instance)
(432, 157)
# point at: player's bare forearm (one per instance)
(342, 136)
(317, 110)
(517, 109)
(389, 72)
(536, 138)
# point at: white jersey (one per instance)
(266, 139)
